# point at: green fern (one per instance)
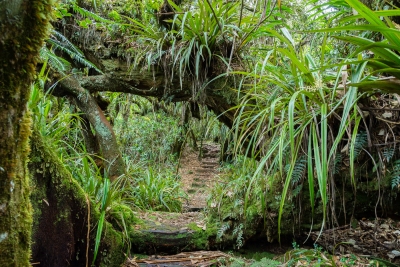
(65, 43)
(298, 170)
(57, 63)
(297, 190)
(337, 163)
(388, 153)
(360, 143)
(221, 231)
(395, 175)
(238, 232)
(88, 14)
(265, 262)
(230, 215)
(60, 42)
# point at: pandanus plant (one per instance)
(292, 113)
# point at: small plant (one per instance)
(395, 174)
(349, 260)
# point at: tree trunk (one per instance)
(23, 26)
(113, 163)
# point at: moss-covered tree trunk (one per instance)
(105, 137)
(23, 26)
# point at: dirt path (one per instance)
(198, 175)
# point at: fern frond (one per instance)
(395, 174)
(61, 43)
(395, 182)
(298, 170)
(297, 190)
(64, 42)
(266, 262)
(337, 163)
(88, 14)
(360, 143)
(238, 232)
(224, 227)
(57, 63)
(388, 153)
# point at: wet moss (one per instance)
(202, 239)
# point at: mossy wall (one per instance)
(61, 216)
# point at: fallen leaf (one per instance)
(393, 254)
(387, 115)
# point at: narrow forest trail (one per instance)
(198, 174)
(186, 230)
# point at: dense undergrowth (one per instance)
(315, 111)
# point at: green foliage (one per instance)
(51, 117)
(299, 113)
(157, 191)
(205, 39)
(298, 170)
(360, 143)
(307, 257)
(290, 110)
(57, 63)
(103, 208)
(395, 174)
(61, 129)
(224, 227)
(226, 202)
(153, 135)
(60, 42)
(265, 262)
(89, 14)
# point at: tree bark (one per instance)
(23, 26)
(113, 163)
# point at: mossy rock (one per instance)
(151, 237)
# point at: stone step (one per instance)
(202, 171)
(209, 163)
(198, 185)
(211, 154)
(210, 169)
(203, 177)
(215, 159)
